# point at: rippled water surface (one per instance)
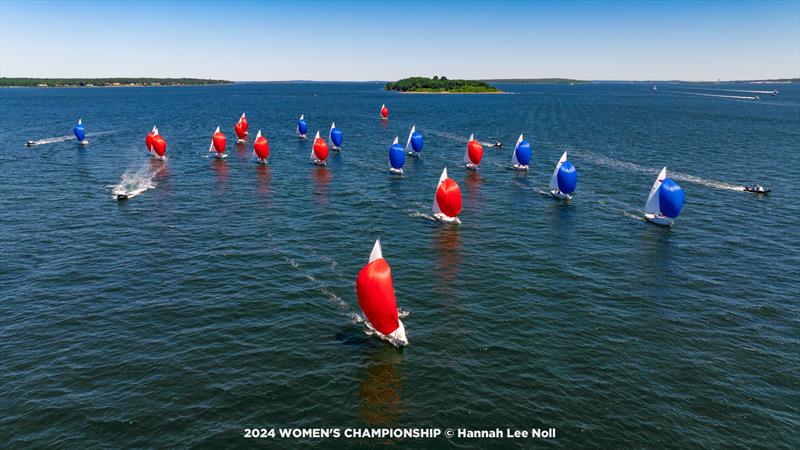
(223, 295)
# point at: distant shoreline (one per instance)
(107, 82)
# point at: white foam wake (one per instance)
(134, 183)
(739, 97)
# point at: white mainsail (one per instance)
(653, 205)
(377, 253)
(313, 156)
(554, 178)
(211, 146)
(514, 161)
(466, 150)
(435, 208)
(408, 142)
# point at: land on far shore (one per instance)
(441, 85)
(536, 81)
(105, 82)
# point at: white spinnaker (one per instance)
(435, 208)
(653, 205)
(313, 156)
(211, 146)
(514, 160)
(377, 253)
(554, 178)
(408, 142)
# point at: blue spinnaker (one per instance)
(79, 131)
(336, 137)
(567, 178)
(523, 153)
(670, 198)
(397, 157)
(417, 141)
(302, 126)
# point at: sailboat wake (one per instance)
(133, 184)
(57, 139)
(625, 165)
(423, 215)
(739, 97)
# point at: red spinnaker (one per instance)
(159, 145)
(475, 152)
(219, 142)
(244, 123)
(321, 149)
(240, 129)
(384, 112)
(376, 296)
(148, 141)
(448, 196)
(261, 147)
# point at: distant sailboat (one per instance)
(241, 129)
(261, 148)
(302, 127)
(665, 200)
(397, 157)
(564, 179)
(80, 132)
(384, 112)
(655, 88)
(217, 146)
(473, 153)
(447, 201)
(335, 136)
(415, 141)
(319, 151)
(377, 299)
(522, 154)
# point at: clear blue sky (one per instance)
(251, 40)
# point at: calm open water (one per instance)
(223, 297)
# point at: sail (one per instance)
(376, 293)
(335, 136)
(384, 112)
(554, 179)
(567, 178)
(240, 131)
(670, 198)
(652, 205)
(417, 141)
(79, 131)
(218, 141)
(436, 209)
(474, 152)
(522, 152)
(159, 146)
(514, 160)
(466, 150)
(148, 140)
(448, 196)
(243, 121)
(261, 146)
(302, 126)
(320, 148)
(397, 156)
(410, 134)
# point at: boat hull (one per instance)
(658, 219)
(319, 162)
(397, 337)
(555, 193)
(520, 167)
(441, 217)
(471, 166)
(415, 154)
(395, 171)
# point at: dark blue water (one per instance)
(223, 297)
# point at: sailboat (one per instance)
(319, 151)
(447, 201)
(302, 127)
(335, 136)
(241, 129)
(473, 153)
(397, 157)
(415, 141)
(148, 140)
(522, 154)
(384, 112)
(80, 132)
(217, 146)
(564, 179)
(159, 147)
(665, 200)
(377, 300)
(261, 148)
